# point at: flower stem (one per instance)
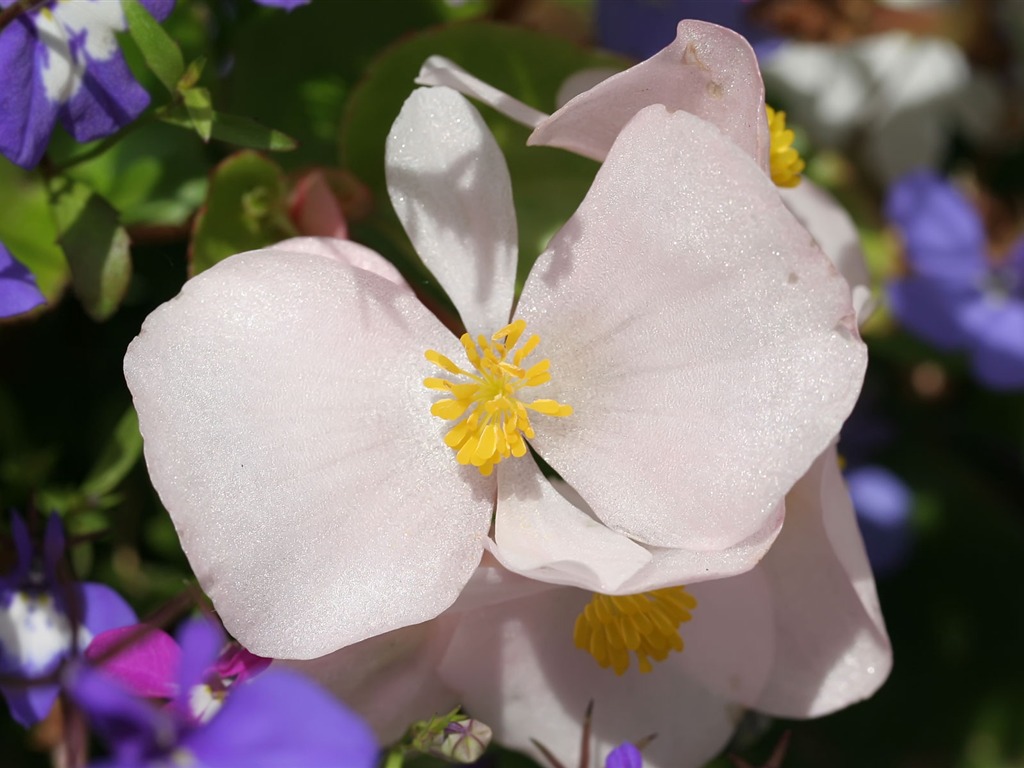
(103, 146)
(9, 14)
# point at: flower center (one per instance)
(647, 625)
(491, 419)
(786, 163)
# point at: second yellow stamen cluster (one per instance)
(786, 163)
(647, 625)
(493, 421)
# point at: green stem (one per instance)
(9, 14)
(102, 147)
(395, 758)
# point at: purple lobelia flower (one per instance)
(60, 59)
(624, 756)
(18, 290)
(45, 620)
(279, 718)
(956, 297)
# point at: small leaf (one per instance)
(200, 110)
(246, 208)
(162, 54)
(28, 231)
(240, 131)
(120, 454)
(192, 75)
(95, 244)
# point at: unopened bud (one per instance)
(462, 741)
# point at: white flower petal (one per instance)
(707, 346)
(451, 190)
(831, 648)
(541, 534)
(836, 235)
(289, 435)
(707, 70)
(347, 251)
(437, 70)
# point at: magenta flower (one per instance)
(279, 718)
(61, 61)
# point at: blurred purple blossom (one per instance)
(61, 61)
(955, 297)
(45, 620)
(278, 718)
(624, 756)
(641, 28)
(18, 290)
(883, 505)
(288, 5)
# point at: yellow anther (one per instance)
(646, 625)
(786, 163)
(492, 420)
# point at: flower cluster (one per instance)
(699, 353)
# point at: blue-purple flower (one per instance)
(276, 719)
(625, 755)
(883, 504)
(288, 5)
(60, 60)
(18, 290)
(958, 297)
(45, 620)
(641, 28)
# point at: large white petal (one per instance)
(515, 667)
(451, 190)
(831, 648)
(289, 435)
(706, 344)
(707, 70)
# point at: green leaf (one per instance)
(200, 111)
(95, 243)
(327, 46)
(547, 184)
(240, 131)
(154, 176)
(162, 54)
(120, 454)
(28, 230)
(246, 208)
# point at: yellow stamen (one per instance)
(492, 419)
(786, 163)
(647, 625)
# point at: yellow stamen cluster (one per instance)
(786, 163)
(492, 419)
(647, 625)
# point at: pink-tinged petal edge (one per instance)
(450, 187)
(709, 71)
(831, 647)
(347, 251)
(289, 435)
(706, 344)
(836, 234)
(544, 529)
